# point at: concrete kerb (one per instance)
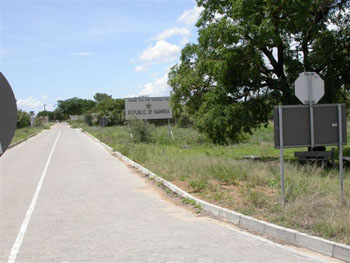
(329, 248)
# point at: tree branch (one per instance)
(272, 60)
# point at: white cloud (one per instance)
(82, 54)
(140, 68)
(44, 97)
(29, 103)
(172, 32)
(157, 87)
(32, 104)
(154, 74)
(162, 51)
(190, 16)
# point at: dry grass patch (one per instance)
(253, 188)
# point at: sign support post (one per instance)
(129, 130)
(340, 147)
(281, 152)
(309, 84)
(170, 130)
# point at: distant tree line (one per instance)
(103, 106)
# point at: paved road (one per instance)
(92, 208)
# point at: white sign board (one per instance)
(148, 108)
(309, 87)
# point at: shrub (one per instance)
(184, 120)
(88, 118)
(23, 119)
(224, 174)
(198, 185)
(258, 199)
(39, 121)
(142, 131)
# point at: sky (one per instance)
(58, 49)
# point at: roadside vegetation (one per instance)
(24, 133)
(220, 175)
(24, 128)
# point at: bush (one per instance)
(38, 122)
(142, 131)
(88, 118)
(198, 185)
(184, 120)
(224, 174)
(23, 119)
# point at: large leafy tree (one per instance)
(248, 55)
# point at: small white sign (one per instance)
(148, 108)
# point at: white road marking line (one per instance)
(17, 245)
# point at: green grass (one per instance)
(219, 174)
(24, 133)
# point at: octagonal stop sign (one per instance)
(309, 87)
(8, 114)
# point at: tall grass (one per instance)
(24, 133)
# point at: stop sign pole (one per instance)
(309, 89)
(309, 84)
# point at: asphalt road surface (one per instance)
(64, 198)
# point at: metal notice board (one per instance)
(148, 108)
(309, 126)
(297, 129)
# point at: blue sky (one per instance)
(57, 49)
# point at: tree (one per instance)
(58, 114)
(112, 109)
(75, 106)
(101, 96)
(43, 113)
(248, 55)
(23, 119)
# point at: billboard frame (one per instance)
(340, 143)
(147, 111)
(312, 131)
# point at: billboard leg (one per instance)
(281, 153)
(129, 130)
(341, 172)
(170, 130)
